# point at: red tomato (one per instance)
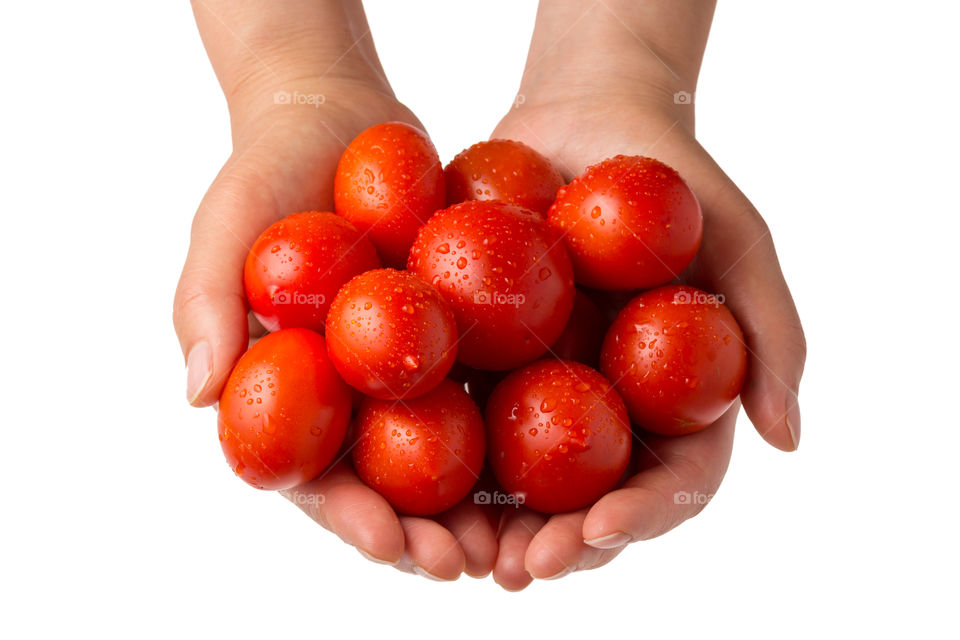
(391, 335)
(558, 434)
(283, 412)
(297, 265)
(389, 182)
(677, 357)
(422, 455)
(506, 275)
(504, 170)
(629, 222)
(583, 336)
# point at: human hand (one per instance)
(295, 103)
(605, 92)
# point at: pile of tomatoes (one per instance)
(483, 313)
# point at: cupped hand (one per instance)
(675, 476)
(283, 161)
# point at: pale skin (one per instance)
(600, 80)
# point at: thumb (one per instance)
(209, 309)
(738, 258)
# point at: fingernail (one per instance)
(793, 423)
(559, 574)
(199, 370)
(373, 558)
(429, 576)
(611, 541)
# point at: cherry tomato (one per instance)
(297, 265)
(677, 357)
(388, 183)
(283, 411)
(583, 336)
(391, 335)
(559, 436)
(506, 275)
(422, 455)
(504, 170)
(630, 222)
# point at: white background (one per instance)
(119, 517)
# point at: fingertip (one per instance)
(432, 550)
(477, 536)
(775, 414)
(364, 519)
(213, 333)
(517, 531)
(510, 573)
(623, 516)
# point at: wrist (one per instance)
(647, 52)
(272, 53)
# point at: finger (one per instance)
(738, 259)
(275, 175)
(431, 550)
(519, 528)
(340, 502)
(210, 314)
(686, 473)
(558, 548)
(477, 537)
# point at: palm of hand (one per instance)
(674, 477)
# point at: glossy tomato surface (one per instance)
(422, 455)
(558, 435)
(504, 170)
(391, 335)
(677, 356)
(298, 264)
(630, 222)
(283, 412)
(583, 336)
(389, 181)
(506, 275)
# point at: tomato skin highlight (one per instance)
(283, 411)
(505, 170)
(422, 455)
(505, 274)
(297, 265)
(389, 181)
(678, 358)
(629, 222)
(391, 335)
(582, 338)
(558, 435)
